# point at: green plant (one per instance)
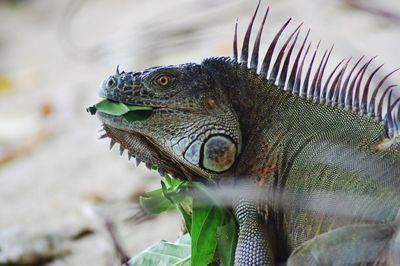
(211, 228)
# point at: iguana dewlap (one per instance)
(318, 150)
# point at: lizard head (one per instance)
(175, 118)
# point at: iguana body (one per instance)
(316, 154)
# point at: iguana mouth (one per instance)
(110, 110)
(129, 112)
(112, 114)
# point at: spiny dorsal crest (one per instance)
(346, 88)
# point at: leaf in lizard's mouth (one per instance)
(129, 112)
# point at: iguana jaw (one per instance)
(130, 134)
(145, 150)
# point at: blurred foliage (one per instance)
(211, 227)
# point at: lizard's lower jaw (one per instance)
(135, 144)
(143, 151)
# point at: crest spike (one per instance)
(332, 96)
(364, 97)
(306, 89)
(344, 89)
(295, 68)
(235, 48)
(318, 96)
(350, 90)
(311, 93)
(380, 105)
(302, 91)
(285, 67)
(268, 57)
(277, 65)
(388, 118)
(256, 48)
(325, 89)
(336, 88)
(358, 87)
(245, 48)
(371, 105)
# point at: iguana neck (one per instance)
(258, 103)
(253, 99)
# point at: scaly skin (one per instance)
(301, 158)
(311, 148)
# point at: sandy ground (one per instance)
(53, 55)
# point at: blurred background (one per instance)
(56, 177)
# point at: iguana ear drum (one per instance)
(218, 153)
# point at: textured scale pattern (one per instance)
(350, 90)
(347, 101)
(252, 246)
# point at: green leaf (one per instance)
(137, 115)
(224, 237)
(175, 193)
(205, 221)
(227, 240)
(212, 227)
(165, 253)
(154, 202)
(172, 181)
(187, 218)
(116, 108)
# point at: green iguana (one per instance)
(282, 128)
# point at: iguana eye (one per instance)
(111, 82)
(164, 80)
(219, 153)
